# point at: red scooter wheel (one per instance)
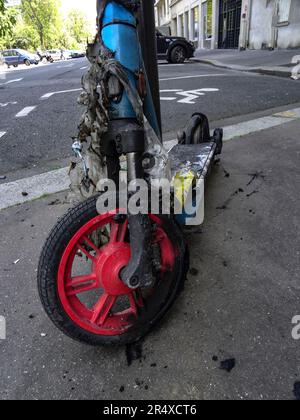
(79, 276)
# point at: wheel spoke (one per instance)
(102, 308)
(139, 298)
(90, 244)
(118, 231)
(85, 252)
(122, 231)
(159, 237)
(133, 304)
(81, 284)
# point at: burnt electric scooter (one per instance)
(107, 277)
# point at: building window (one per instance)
(195, 12)
(208, 15)
(284, 7)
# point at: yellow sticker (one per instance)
(183, 182)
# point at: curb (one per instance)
(268, 71)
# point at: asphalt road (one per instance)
(40, 137)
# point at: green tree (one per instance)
(43, 16)
(78, 26)
(7, 19)
(24, 36)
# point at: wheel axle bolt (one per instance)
(134, 281)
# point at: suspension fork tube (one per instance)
(138, 272)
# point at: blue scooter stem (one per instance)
(119, 33)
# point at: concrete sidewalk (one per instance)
(275, 63)
(239, 300)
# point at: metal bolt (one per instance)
(134, 281)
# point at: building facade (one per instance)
(270, 24)
(233, 24)
(163, 13)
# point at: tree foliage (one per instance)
(7, 19)
(43, 15)
(39, 24)
(77, 26)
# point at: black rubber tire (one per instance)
(15, 66)
(218, 139)
(178, 55)
(27, 63)
(50, 259)
(197, 130)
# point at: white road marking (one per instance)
(193, 77)
(36, 186)
(48, 95)
(25, 112)
(83, 68)
(260, 124)
(7, 103)
(170, 90)
(64, 67)
(11, 81)
(189, 95)
(162, 98)
(14, 81)
(209, 90)
(58, 181)
(170, 65)
(2, 133)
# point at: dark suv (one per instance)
(174, 49)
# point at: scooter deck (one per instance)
(191, 160)
(196, 157)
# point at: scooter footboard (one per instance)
(190, 166)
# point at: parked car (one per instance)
(59, 54)
(77, 54)
(174, 49)
(15, 57)
(56, 55)
(66, 54)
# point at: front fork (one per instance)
(138, 273)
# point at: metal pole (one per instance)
(148, 42)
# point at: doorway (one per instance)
(230, 23)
